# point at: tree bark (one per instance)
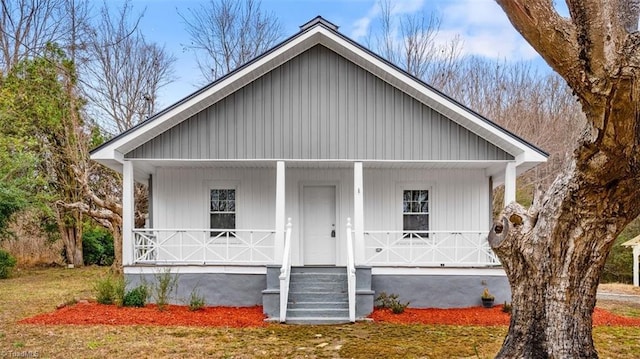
(554, 252)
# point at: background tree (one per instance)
(124, 71)
(225, 34)
(554, 252)
(26, 27)
(41, 115)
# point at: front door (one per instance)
(319, 231)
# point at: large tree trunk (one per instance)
(554, 252)
(70, 228)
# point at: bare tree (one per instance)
(124, 72)
(554, 252)
(410, 42)
(26, 27)
(225, 34)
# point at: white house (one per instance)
(272, 184)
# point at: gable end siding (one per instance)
(319, 106)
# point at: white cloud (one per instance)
(484, 29)
(398, 7)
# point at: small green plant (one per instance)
(390, 301)
(110, 290)
(7, 262)
(507, 307)
(104, 290)
(137, 297)
(487, 295)
(119, 291)
(196, 300)
(165, 284)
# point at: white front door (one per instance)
(319, 232)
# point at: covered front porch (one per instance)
(376, 202)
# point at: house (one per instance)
(315, 177)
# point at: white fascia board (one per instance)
(433, 99)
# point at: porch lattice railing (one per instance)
(203, 246)
(428, 248)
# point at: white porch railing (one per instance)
(351, 273)
(285, 274)
(428, 248)
(203, 246)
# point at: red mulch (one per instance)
(93, 313)
(481, 316)
(98, 314)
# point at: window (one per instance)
(415, 211)
(222, 210)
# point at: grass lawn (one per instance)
(36, 291)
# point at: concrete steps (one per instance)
(318, 295)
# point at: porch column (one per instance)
(358, 213)
(278, 245)
(128, 210)
(636, 254)
(510, 183)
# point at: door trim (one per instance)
(339, 224)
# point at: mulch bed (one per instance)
(88, 313)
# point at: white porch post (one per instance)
(128, 207)
(280, 215)
(510, 183)
(358, 213)
(636, 254)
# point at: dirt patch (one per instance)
(619, 288)
(93, 313)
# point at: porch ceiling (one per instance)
(144, 167)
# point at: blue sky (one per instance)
(481, 24)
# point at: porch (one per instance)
(402, 214)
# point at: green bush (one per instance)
(196, 301)
(7, 262)
(110, 290)
(119, 291)
(390, 302)
(165, 284)
(619, 264)
(104, 288)
(97, 246)
(137, 297)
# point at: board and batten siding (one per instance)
(319, 105)
(459, 199)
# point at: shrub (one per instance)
(104, 290)
(119, 290)
(165, 284)
(196, 301)
(390, 302)
(7, 262)
(110, 290)
(97, 246)
(506, 307)
(137, 297)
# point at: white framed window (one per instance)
(222, 209)
(415, 211)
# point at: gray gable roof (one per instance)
(136, 141)
(319, 105)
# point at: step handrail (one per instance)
(285, 273)
(351, 273)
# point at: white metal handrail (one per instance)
(428, 248)
(285, 273)
(203, 246)
(351, 273)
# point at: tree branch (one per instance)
(548, 33)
